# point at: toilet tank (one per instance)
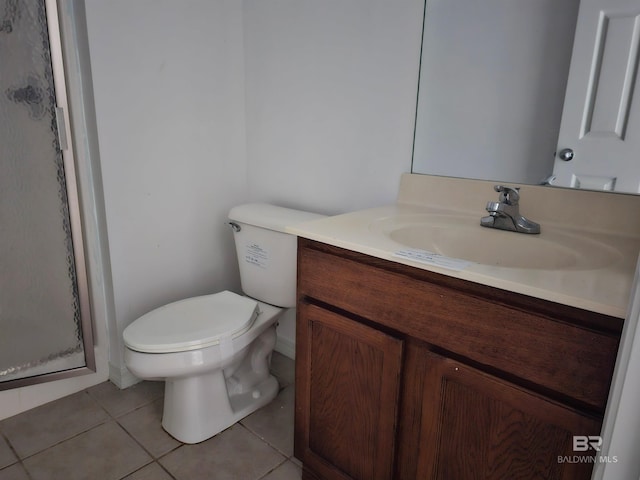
(266, 254)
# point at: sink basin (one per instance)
(462, 237)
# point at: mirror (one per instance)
(493, 78)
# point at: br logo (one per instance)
(583, 443)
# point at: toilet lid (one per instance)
(191, 324)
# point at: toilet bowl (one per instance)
(213, 376)
(213, 351)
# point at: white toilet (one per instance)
(213, 352)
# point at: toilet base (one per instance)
(198, 411)
(198, 407)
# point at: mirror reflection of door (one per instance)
(599, 139)
(493, 77)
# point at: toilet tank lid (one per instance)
(269, 216)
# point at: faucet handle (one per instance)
(508, 195)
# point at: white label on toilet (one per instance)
(256, 255)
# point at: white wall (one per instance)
(331, 93)
(202, 105)
(169, 95)
(330, 104)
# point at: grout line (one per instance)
(166, 471)
(109, 418)
(273, 469)
(115, 416)
(15, 454)
(106, 420)
(262, 439)
(154, 457)
(145, 466)
(138, 469)
(97, 402)
(24, 469)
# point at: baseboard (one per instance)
(286, 347)
(122, 377)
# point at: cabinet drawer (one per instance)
(540, 350)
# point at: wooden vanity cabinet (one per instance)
(402, 373)
(351, 390)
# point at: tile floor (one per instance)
(104, 433)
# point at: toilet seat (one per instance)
(192, 324)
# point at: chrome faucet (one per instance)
(505, 213)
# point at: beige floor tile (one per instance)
(145, 425)
(231, 455)
(7, 457)
(153, 471)
(286, 471)
(283, 368)
(14, 472)
(77, 438)
(274, 422)
(118, 402)
(106, 452)
(33, 431)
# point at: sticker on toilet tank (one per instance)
(256, 255)
(430, 258)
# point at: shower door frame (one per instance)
(74, 208)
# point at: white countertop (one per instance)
(603, 289)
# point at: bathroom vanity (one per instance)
(412, 371)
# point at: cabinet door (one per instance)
(347, 386)
(476, 426)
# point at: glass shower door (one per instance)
(45, 328)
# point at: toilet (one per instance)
(213, 351)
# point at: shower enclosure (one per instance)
(45, 324)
